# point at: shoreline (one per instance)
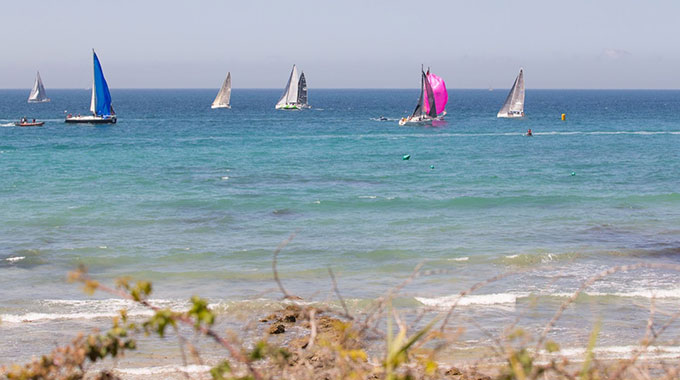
(291, 325)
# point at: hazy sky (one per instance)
(339, 44)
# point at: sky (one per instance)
(342, 44)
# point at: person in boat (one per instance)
(34, 120)
(529, 132)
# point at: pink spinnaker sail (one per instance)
(441, 96)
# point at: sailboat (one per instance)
(100, 104)
(432, 102)
(295, 94)
(38, 94)
(224, 95)
(514, 103)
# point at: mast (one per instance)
(419, 107)
(519, 95)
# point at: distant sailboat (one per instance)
(295, 94)
(100, 103)
(224, 95)
(432, 102)
(38, 94)
(514, 103)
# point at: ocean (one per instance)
(196, 200)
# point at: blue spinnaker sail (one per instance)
(102, 105)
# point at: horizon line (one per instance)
(355, 88)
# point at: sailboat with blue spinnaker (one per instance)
(100, 104)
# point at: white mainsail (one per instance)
(290, 96)
(224, 95)
(38, 94)
(514, 103)
(93, 101)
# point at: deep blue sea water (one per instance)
(196, 200)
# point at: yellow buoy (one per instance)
(564, 116)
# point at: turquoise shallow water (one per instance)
(196, 200)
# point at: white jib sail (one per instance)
(93, 101)
(224, 95)
(514, 103)
(38, 91)
(291, 94)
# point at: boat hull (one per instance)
(36, 124)
(511, 115)
(421, 120)
(90, 120)
(289, 107)
(39, 101)
(220, 106)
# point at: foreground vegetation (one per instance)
(336, 343)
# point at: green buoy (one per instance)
(406, 157)
(573, 174)
(431, 166)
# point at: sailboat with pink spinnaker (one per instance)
(432, 102)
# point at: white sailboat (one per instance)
(224, 95)
(514, 103)
(38, 94)
(295, 94)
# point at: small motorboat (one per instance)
(30, 124)
(27, 123)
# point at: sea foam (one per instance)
(65, 309)
(479, 299)
(158, 370)
(511, 298)
(621, 352)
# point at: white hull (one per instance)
(221, 106)
(421, 120)
(511, 115)
(39, 101)
(291, 107)
(91, 119)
